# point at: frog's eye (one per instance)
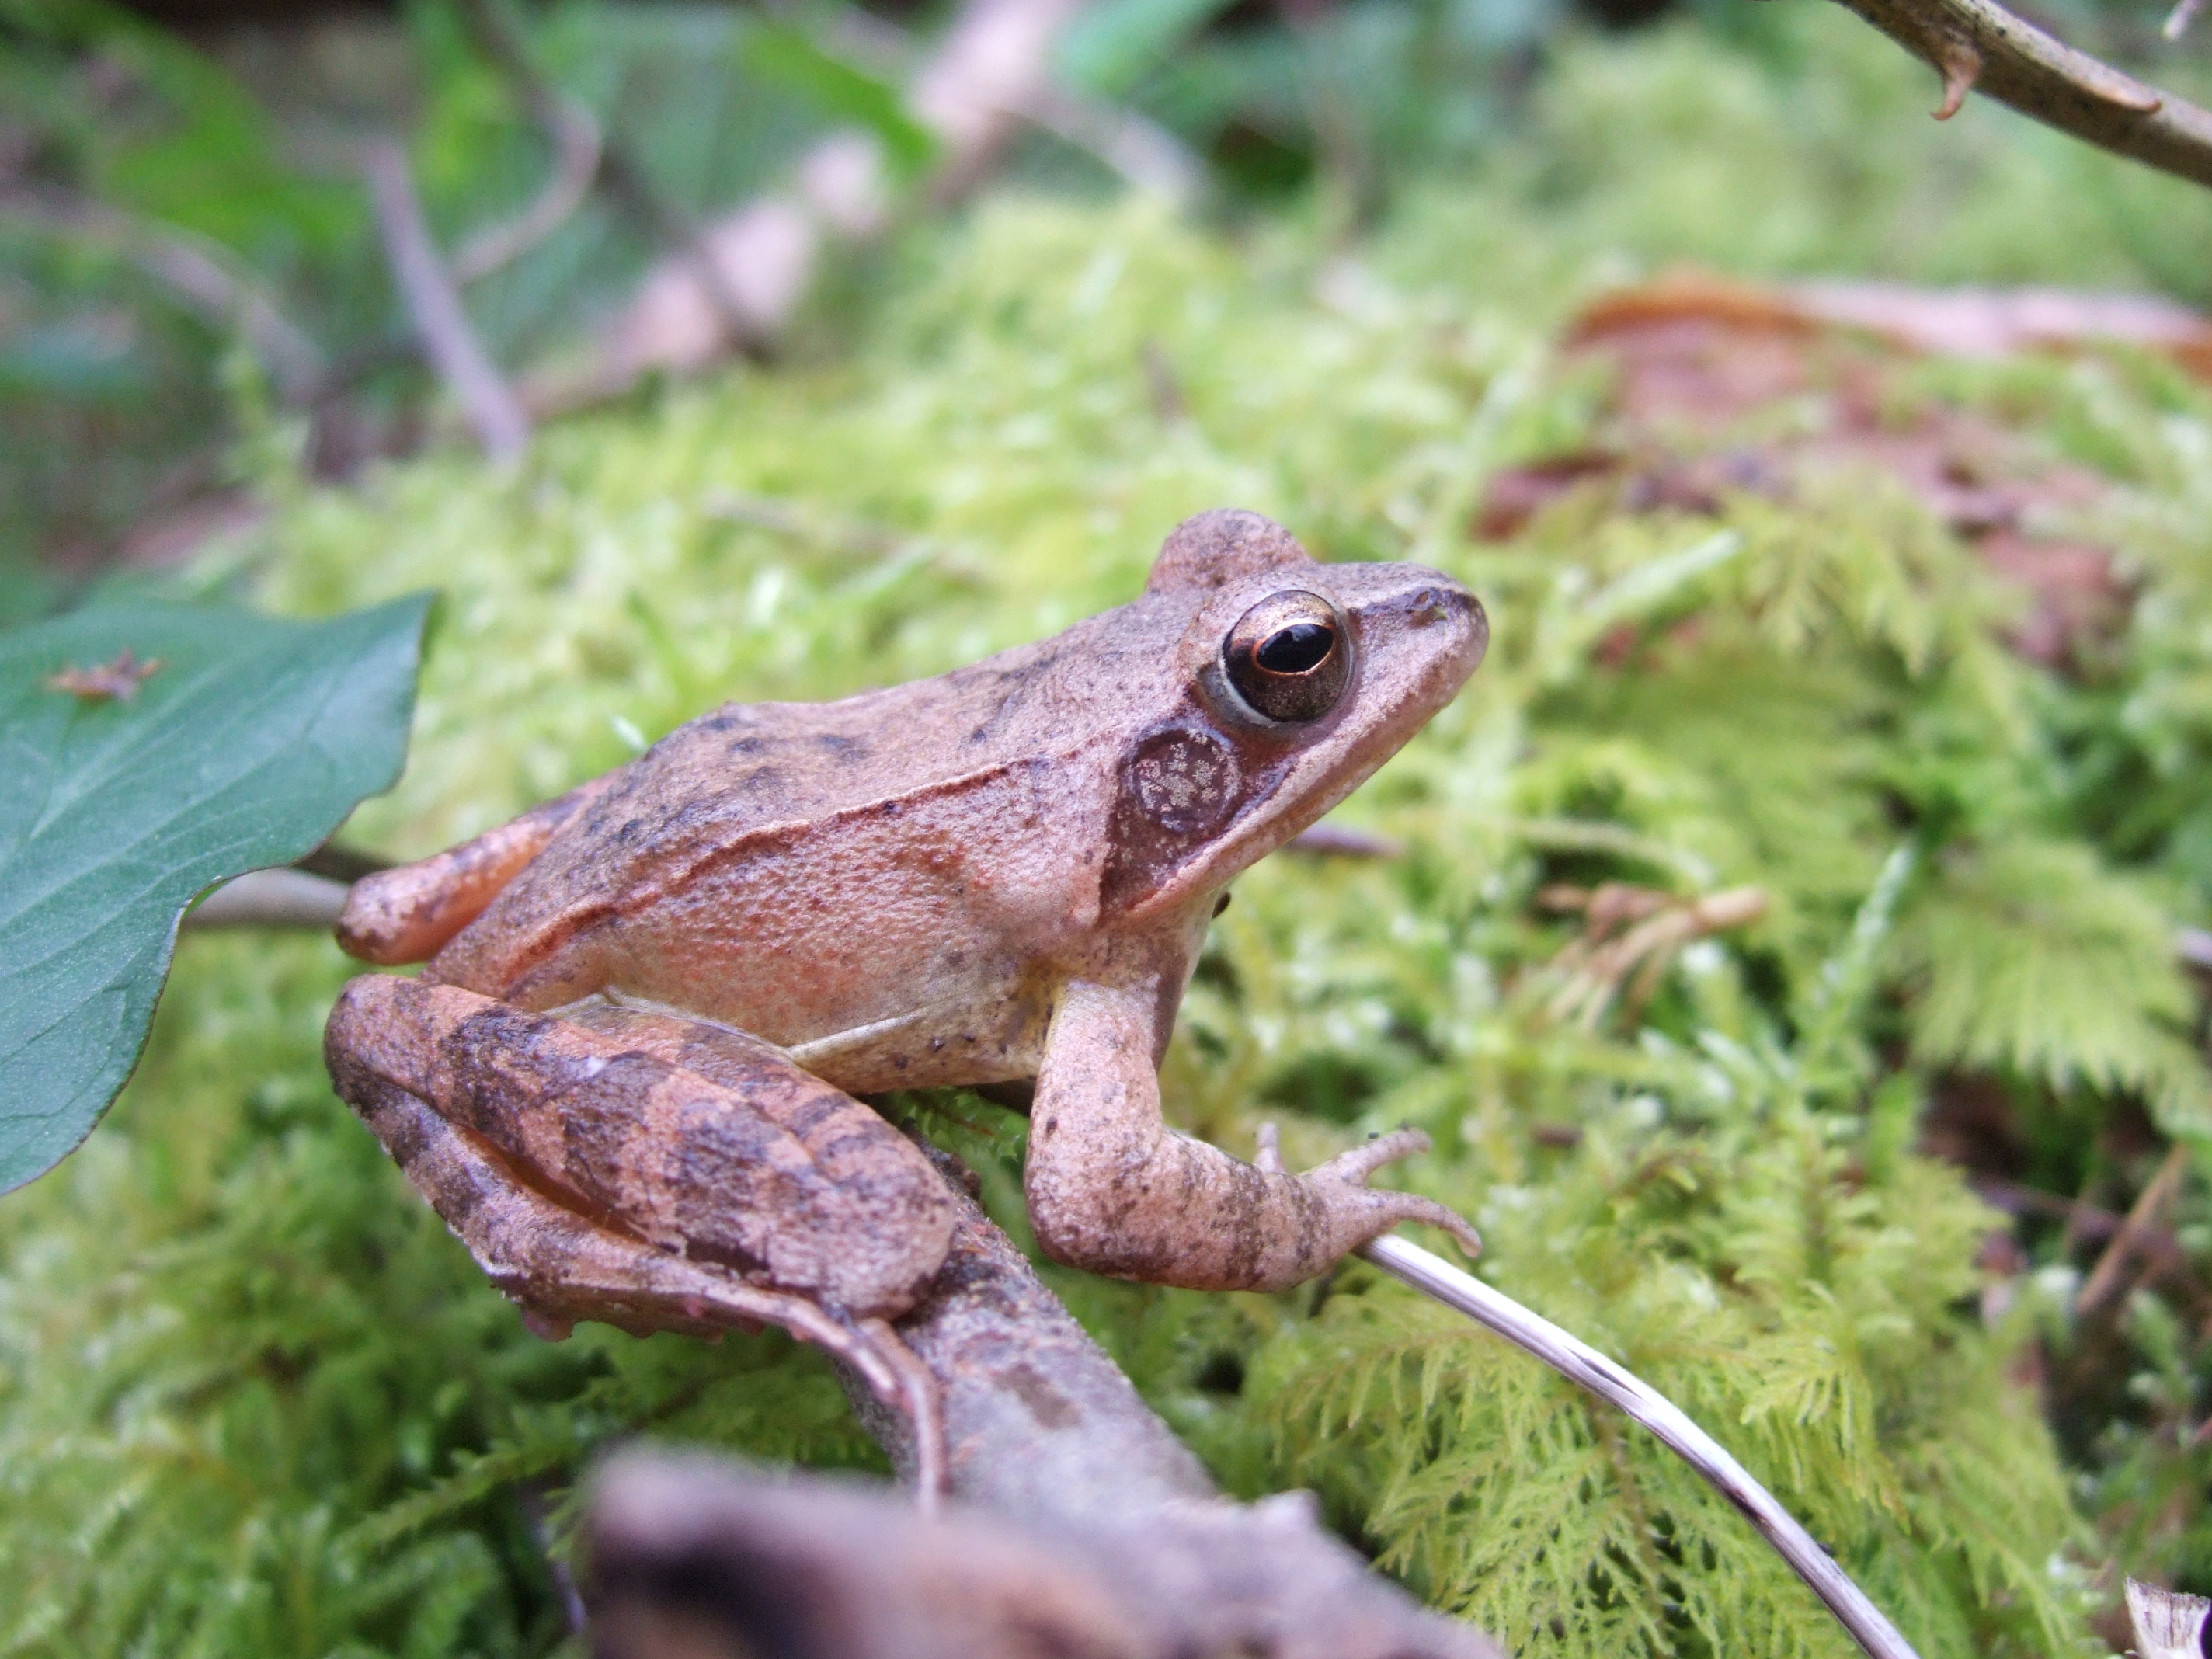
(1288, 657)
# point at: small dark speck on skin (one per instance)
(936, 1044)
(748, 745)
(760, 779)
(1051, 1408)
(1051, 1124)
(842, 748)
(1221, 904)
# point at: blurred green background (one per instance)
(1845, 1180)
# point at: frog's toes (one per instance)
(1377, 1212)
(1364, 1160)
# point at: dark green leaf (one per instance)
(245, 748)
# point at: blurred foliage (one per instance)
(1768, 137)
(253, 1399)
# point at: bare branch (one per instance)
(577, 147)
(1081, 1525)
(1147, 156)
(281, 898)
(434, 300)
(612, 167)
(696, 1556)
(2141, 1221)
(2178, 20)
(1579, 1363)
(1340, 841)
(1979, 45)
(205, 276)
(993, 63)
(739, 282)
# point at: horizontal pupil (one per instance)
(1295, 649)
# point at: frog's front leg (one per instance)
(654, 1173)
(1113, 1189)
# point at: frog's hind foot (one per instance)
(654, 1173)
(698, 1143)
(560, 1268)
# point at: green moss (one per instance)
(254, 1400)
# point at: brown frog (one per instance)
(627, 1078)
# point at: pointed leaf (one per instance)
(223, 742)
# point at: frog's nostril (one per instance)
(1432, 604)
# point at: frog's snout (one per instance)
(1444, 618)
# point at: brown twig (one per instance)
(2105, 1278)
(697, 1555)
(2088, 1221)
(1144, 153)
(1340, 841)
(434, 300)
(579, 148)
(204, 275)
(1081, 1525)
(1632, 932)
(2169, 1261)
(991, 62)
(1977, 45)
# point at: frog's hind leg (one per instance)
(592, 1177)
(408, 914)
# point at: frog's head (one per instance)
(1293, 681)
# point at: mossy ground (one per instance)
(252, 1398)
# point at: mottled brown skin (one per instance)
(652, 1001)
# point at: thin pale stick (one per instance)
(272, 898)
(202, 273)
(435, 303)
(1579, 1363)
(578, 146)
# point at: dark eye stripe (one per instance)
(1298, 649)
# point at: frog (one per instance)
(634, 1074)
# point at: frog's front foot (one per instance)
(1112, 1190)
(1342, 1183)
